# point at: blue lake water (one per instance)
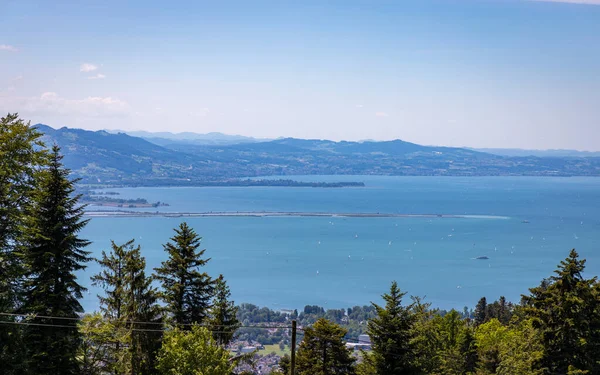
(288, 262)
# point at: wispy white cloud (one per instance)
(8, 47)
(87, 67)
(51, 103)
(359, 106)
(381, 114)
(585, 2)
(97, 76)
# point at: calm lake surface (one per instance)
(288, 262)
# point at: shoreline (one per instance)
(108, 214)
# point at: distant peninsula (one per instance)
(222, 183)
(94, 198)
(269, 182)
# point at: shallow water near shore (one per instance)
(523, 225)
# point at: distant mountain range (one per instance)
(213, 138)
(122, 159)
(538, 153)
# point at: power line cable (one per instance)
(35, 316)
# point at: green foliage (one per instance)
(142, 312)
(112, 278)
(21, 156)
(192, 353)
(223, 320)
(285, 364)
(566, 310)
(249, 314)
(457, 349)
(481, 311)
(98, 338)
(187, 292)
(130, 304)
(365, 365)
(322, 351)
(514, 350)
(501, 310)
(444, 344)
(520, 351)
(425, 340)
(52, 252)
(490, 337)
(391, 333)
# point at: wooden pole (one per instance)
(293, 362)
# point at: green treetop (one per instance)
(187, 291)
(322, 351)
(391, 333)
(129, 304)
(223, 312)
(52, 252)
(21, 156)
(193, 352)
(566, 309)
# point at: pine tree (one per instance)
(322, 351)
(113, 305)
(468, 350)
(223, 320)
(21, 155)
(52, 253)
(566, 309)
(142, 310)
(504, 311)
(187, 292)
(391, 333)
(481, 312)
(130, 304)
(426, 341)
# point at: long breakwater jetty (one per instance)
(118, 213)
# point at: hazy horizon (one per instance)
(461, 73)
(483, 149)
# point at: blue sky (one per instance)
(482, 73)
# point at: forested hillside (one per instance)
(120, 159)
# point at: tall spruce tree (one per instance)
(143, 312)
(130, 304)
(21, 155)
(223, 314)
(322, 351)
(391, 333)
(566, 309)
(186, 291)
(481, 312)
(113, 302)
(52, 252)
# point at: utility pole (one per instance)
(293, 364)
